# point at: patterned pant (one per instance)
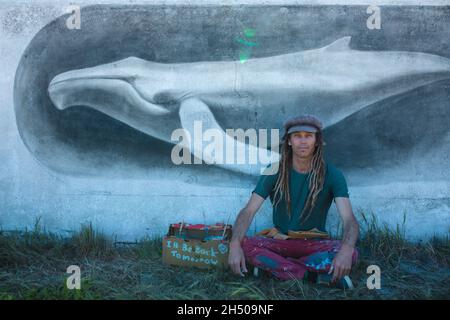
(289, 259)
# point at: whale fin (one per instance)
(341, 44)
(194, 110)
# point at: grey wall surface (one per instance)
(79, 165)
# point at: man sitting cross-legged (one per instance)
(301, 192)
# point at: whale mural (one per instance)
(157, 98)
(95, 110)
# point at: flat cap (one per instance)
(308, 123)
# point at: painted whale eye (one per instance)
(132, 78)
(162, 97)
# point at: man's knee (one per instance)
(335, 245)
(250, 243)
(247, 242)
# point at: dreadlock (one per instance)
(316, 177)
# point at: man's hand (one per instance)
(236, 259)
(342, 263)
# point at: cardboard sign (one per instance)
(198, 246)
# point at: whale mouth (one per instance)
(105, 93)
(63, 77)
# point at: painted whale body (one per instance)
(332, 82)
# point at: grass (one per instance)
(33, 266)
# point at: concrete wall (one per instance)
(79, 165)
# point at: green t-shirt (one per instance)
(334, 186)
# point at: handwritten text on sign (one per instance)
(194, 253)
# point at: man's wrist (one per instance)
(235, 243)
(347, 246)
